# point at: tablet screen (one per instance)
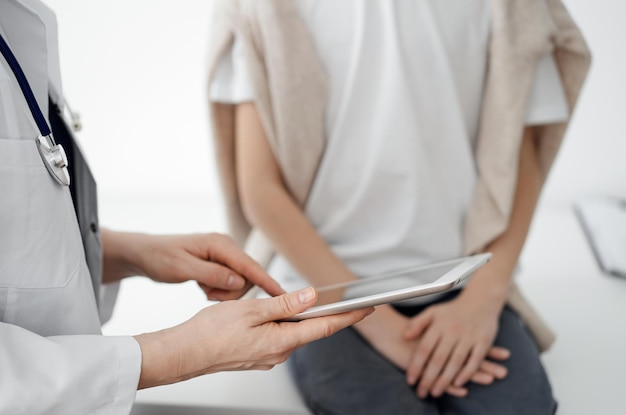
(384, 283)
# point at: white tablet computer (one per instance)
(393, 287)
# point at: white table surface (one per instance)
(587, 309)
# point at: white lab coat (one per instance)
(53, 358)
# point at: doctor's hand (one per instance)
(235, 335)
(221, 269)
(454, 345)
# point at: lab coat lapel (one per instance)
(31, 51)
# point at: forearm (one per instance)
(119, 259)
(492, 281)
(292, 234)
(235, 335)
(163, 358)
(269, 206)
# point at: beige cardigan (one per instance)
(290, 94)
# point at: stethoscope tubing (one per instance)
(40, 120)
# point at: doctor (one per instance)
(53, 358)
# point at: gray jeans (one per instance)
(343, 375)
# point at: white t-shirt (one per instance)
(405, 81)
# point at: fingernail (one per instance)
(234, 281)
(422, 392)
(436, 392)
(306, 295)
(410, 380)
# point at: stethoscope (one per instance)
(52, 154)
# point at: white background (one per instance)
(136, 71)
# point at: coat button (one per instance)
(93, 227)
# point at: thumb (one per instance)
(286, 305)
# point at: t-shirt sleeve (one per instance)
(547, 104)
(77, 374)
(231, 83)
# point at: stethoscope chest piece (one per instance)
(53, 155)
(55, 159)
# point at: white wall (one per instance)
(593, 157)
(136, 70)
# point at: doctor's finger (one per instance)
(225, 251)
(286, 305)
(215, 294)
(216, 276)
(317, 328)
(283, 306)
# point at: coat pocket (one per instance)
(40, 244)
